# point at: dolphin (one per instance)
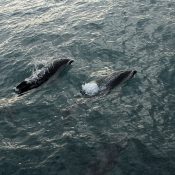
(38, 78)
(107, 83)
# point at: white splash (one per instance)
(36, 75)
(90, 88)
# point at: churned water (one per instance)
(54, 130)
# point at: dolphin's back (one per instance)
(108, 82)
(116, 78)
(42, 76)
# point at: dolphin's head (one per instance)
(62, 62)
(133, 72)
(61, 65)
(70, 62)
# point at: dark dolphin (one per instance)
(117, 78)
(107, 83)
(42, 76)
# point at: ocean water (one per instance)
(54, 130)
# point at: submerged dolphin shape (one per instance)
(42, 76)
(107, 83)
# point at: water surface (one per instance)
(53, 129)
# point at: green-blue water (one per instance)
(52, 130)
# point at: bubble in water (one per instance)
(90, 88)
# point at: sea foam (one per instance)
(90, 88)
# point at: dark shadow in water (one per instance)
(77, 157)
(138, 159)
